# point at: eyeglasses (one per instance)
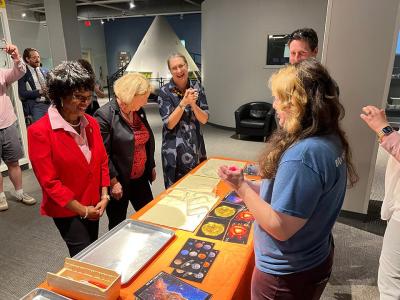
(82, 98)
(178, 67)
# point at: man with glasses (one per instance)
(32, 87)
(303, 44)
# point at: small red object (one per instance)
(98, 284)
(88, 23)
(233, 168)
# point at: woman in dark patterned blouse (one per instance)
(183, 108)
(129, 142)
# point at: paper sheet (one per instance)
(196, 183)
(181, 209)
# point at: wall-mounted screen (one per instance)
(277, 49)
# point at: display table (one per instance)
(228, 278)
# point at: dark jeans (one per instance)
(77, 233)
(306, 285)
(137, 191)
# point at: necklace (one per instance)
(128, 116)
(75, 125)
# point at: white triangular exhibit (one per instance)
(159, 42)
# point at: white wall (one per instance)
(234, 43)
(93, 38)
(31, 35)
(359, 52)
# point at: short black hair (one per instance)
(305, 34)
(27, 53)
(65, 79)
(84, 63)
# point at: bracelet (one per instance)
(181, 106)
(86, 214)
(106, 196)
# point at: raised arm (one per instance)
(281, 226)
(18, 70)
(177, 113)
(376, 120)
(199, 105)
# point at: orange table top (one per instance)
(228, 278)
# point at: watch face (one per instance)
(386, 130)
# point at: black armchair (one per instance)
(255, 119)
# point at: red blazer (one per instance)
(61, 168)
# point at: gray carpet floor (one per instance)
(30, 244)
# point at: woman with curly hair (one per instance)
(69, 159)
(305, 170)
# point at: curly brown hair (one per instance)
(311, 99)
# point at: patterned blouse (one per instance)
(183, 146)
(141, 137)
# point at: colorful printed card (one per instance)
(166, 286)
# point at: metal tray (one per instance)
(42, 294)
(126, 248)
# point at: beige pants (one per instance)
(389, 263)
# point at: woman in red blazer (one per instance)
(68, 157)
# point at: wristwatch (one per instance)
(384, 132)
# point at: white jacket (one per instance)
(391, 203)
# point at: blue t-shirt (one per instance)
(310, 183)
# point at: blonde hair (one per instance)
(131, 85)
(310, 98)
(286, 86)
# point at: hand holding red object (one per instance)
(231, 175)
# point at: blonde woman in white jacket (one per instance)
(389, 262)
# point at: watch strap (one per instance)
(384, 132)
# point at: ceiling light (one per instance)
(23, 15)
(131, 5)
(101, 21)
